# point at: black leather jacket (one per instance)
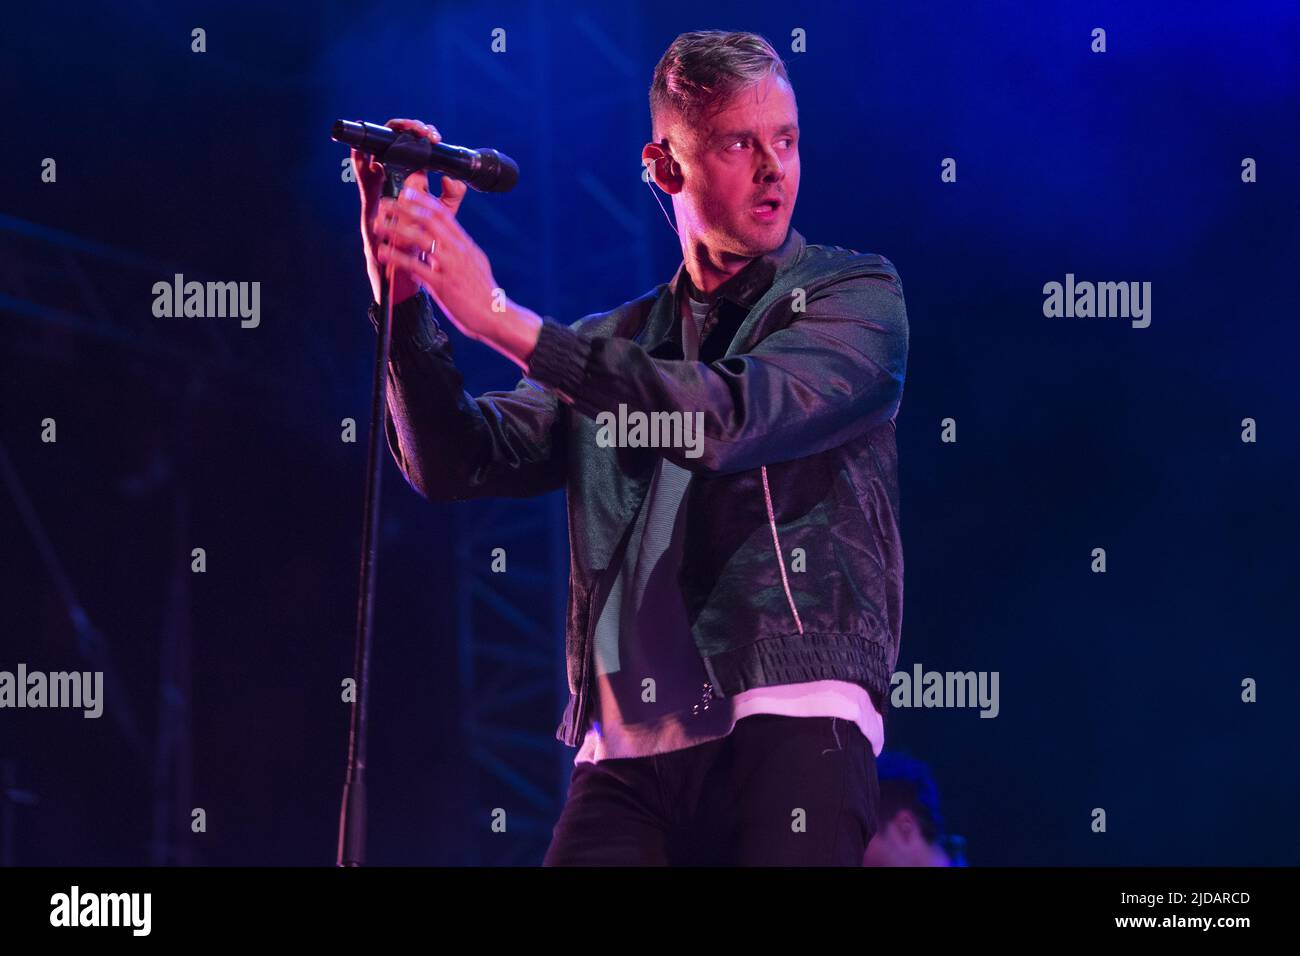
(793, 562)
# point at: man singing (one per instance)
(736, 589)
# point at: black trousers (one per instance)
(777, 791)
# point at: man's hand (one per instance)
(420, 235)
(369, 175)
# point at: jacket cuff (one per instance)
(414, 326)
(559, 359)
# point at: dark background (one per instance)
(1119, 691)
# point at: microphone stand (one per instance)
(352, 816)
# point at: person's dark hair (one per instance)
(906, 784)
(701, 69)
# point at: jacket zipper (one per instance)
(780, 558)
(710, 689)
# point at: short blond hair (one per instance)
(702, 68)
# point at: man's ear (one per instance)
(663, 168)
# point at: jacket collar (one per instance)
(748, 285)
(738, 294)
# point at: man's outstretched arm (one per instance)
(835, 372)
(831, 375)
(451, 445)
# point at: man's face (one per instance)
(733, 162)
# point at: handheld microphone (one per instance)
(483, 169)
